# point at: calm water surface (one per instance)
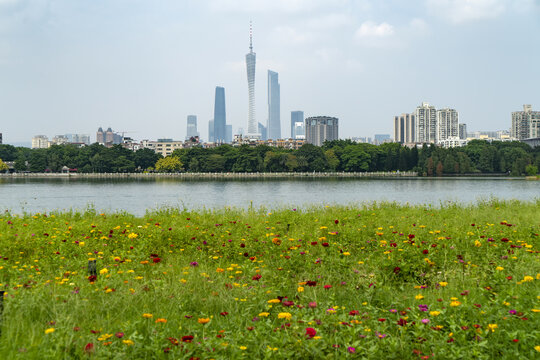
(136, 196)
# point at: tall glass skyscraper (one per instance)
(274, 118)
(296, 117)
(191, 127)
(251, 59)
(220, 132)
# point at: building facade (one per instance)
(404, 129)
(165, 147)
(425, 123)
(220, 120)
(40, 142)
(462, 131)
(274, 109)
(108, 138)
(296, 117)
(211, 130)
(447, 124)
(251, 59)
(191, 130)
(262, 131)
(320, 129)
(526, 123)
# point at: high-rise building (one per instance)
(425, 123)
(404, 126)
(251, 59)
(320, 129)
(211, 137)
(526, 123)
(296, 117)
(81, 139)
(191, 130)
(0, 138)
(40, 142)
(220, 120)
(262, 131)
(381, 138)
(299, 131)
(447, 124)
(462, 131)
(274, 118)
(108, 138)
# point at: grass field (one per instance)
(380, 281)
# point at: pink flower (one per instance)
(351, 349)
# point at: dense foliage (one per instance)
(514, 158)
(380, 282)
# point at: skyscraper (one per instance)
(526, 123)
(262, 131)
(462, 131)
(425, 123)
(296, 116)
(447, 124)
(321, 128)
(274, 118)
(251, 58)
(404, 129)
(191, 127)
(220, 132)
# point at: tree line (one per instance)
(477, 156)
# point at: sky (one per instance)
(142, 66)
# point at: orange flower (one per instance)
(160, 320)
(203, 320)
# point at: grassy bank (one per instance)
(383, 281)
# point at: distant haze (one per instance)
(140, 67)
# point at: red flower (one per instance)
(287, 303)
(224, 313)
(325, 244)
(156, 260)
(382, 320)
(311, 332)
(354, 312)
(173, 341)
(397, 269)
(89, 348)
(327, 286)
(187, 338)
(311, 283)
(425, 251)
(402, 322)
(411, 236)
(119, 335)
(92, 278)
(336, 222)
(257, 277)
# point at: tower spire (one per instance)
(250, 37)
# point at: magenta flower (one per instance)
(351, 349)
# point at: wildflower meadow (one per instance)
(374, 281)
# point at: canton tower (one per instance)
(251, 57)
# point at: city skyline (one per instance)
(68, 67)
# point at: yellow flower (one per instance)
(284, 315)
(300, 289)
(264, 314)
(419, 297)
(499, 268)
(492, 327)
(443, 283)
(477, 243)
(243, 347)
(535, 310)
(203, 320)
(528, 278)
(455, 303)
(103, 271)
(434, 313)
(132, 235)
(49, 331)
(346, 253)
(128, 342)
(274, 301)
(537, 348)
(147, 316)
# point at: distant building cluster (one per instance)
(43, 142)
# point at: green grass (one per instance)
(371, 268)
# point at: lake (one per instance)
(136, 196)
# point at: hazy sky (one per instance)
(70, 66)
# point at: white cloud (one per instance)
(369, 29)
(330, 21)
(460, 11)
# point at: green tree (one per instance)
(169, 164)
(355, 159)
(145, 158)
(332, 159)
(530, 170)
